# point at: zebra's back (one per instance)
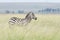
(14, 20)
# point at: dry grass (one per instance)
(46, 27)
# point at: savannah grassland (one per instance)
(46, 27)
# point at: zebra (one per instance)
(22, 21)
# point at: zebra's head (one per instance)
(31, 15)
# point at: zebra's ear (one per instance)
(32, 13)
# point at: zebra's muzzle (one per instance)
(36, 18)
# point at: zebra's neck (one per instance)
(28, 19)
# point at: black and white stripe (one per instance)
(14, 20)
(24, 21)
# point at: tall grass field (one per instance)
(46, 27)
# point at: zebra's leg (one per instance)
(11, 24)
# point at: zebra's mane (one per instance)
(29, 14)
